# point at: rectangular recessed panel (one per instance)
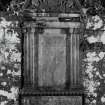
(52, 100)
(52, 58)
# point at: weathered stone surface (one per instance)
(52, 58)
(52, 100)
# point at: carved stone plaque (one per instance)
(52, 100)
(52, 58)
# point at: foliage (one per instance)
(10, 62)
(93, 62)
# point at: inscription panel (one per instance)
(52, 58)
(52, 100)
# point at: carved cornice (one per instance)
(40, 8)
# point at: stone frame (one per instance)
(31, 30)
